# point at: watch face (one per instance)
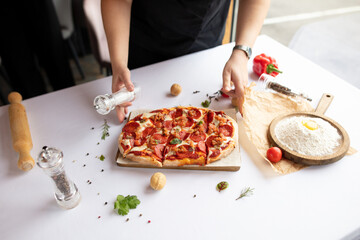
(249, 52)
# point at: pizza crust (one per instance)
(147, 160)
(185, 161)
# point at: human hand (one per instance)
(120, 79)
(235, 71)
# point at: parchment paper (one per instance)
(259, 109)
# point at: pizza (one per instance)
(178, 136)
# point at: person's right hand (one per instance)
(120, 79)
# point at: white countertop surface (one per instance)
(314, 203)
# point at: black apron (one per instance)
(164, 29)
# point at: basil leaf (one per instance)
(175, 141)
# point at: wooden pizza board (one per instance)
(339, 152)
(230, 163)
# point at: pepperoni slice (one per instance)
(159, 149)
(131, 127)
(137, 118)
(183, 135)
(189, 122)
(215, 153)
(198, 136)
(148, 132)
(201, 146)
(226, 130)
(189, 153)
(168, 124)
(160, 139)
(210, 117)
(209, 141)
(176, 113)
(166, 150)
(194, 113)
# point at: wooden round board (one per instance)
(339, 152)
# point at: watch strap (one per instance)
(244, 48)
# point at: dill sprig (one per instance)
(105, 130)
(246, 192)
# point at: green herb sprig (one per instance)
(123, 204)
(246, 192)
(101, 158)
(105, 130)
(215, 96)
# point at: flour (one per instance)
(319, 142)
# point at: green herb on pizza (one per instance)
(175, 141)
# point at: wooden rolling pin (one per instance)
(20, 132)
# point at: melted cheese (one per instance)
(143, 147)
(228, 139)
(148, 115)
(167, 118)
(126, 141)
(216, 122)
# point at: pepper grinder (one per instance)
(103, 104)
(269, 82)
(67, 194)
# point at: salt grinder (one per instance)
(107, 102)
(66, 193)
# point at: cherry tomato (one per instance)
(224, 95)
(274, 154)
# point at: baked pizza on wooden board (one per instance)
(180, 138)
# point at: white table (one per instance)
(314, 203)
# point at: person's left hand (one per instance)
(235, 71)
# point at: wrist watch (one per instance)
(244, 48)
